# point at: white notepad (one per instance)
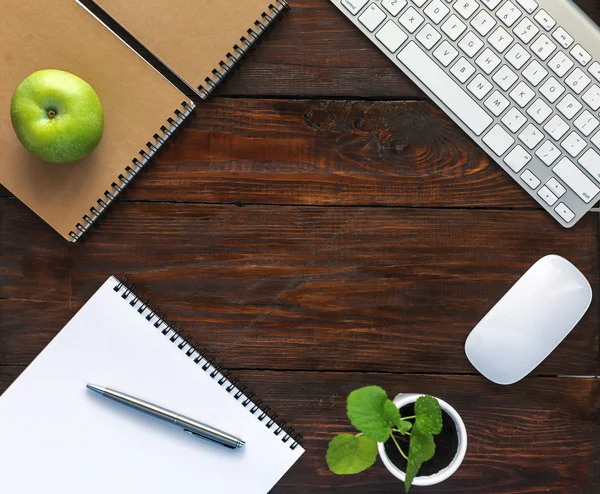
(57, 437)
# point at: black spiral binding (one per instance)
(131, 171)
(246, 42)
(185, 343)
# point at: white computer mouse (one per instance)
(530, 321)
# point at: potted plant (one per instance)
(402, 432)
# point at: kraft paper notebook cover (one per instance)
(141, 108)
(57, 437)
(198, 40)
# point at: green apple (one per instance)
(57, 116)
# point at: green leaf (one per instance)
(372, 413)
(348, 454)
(404, 426)
(428, 415)
(422, 448)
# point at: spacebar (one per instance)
(442, 86)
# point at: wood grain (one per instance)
(326, 153)
(540, 435)
(299, 287)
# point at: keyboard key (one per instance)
(372, 17)
(466, 8)
(500, 39)
(556, 127)
(564, 212)
(539, 111)
(508, 13)
(560, 64)
(569, 106)
(491, 4)
(554, 186)
(393, 6)
(517, 159)
(531, 136)
(563, 37)
(462, 70)
(436, 11)
(505, 78)
(411, 20)
(498, 140)
(573, 144)
(514, 120)
(582, 56)
(470, 44)
(592, 97)
(529, 6)
(535, 73)
(445, 53)
(488, 61)
(419, 3)
(596, 140)
(391, 36)
(453, 27)
(552, 89)
(530, 179)
(450, 93)
(526, 30)
(548, 153)
(586, 123)
(480, 86)
(594, 69)
(545, 20)
(517, 56)
(354, 6)
(548, 197)
(576, 180)
(543, 47)
(483, 23)
(428, 36)
(497, 103)
(591, 162)
(578, 81)
(522, 94)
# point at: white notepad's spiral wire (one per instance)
(238, 51)
(137, 164)
(232, 386)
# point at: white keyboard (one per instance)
(521, 77)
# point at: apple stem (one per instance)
(51, 114)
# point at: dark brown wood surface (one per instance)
(320, 226)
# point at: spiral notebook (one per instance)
(141, 108)
(199, 41)
(57, 437)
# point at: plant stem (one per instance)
(398, 446)
(408, 418)
(359, 434)
(400, 432)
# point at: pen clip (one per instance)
(208, 439)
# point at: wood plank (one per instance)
(298, 287)
(325, 153)
(540, 435)
(316, 51)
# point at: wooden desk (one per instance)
(320, 226)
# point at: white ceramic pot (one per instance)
(405, 399)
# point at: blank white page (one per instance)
(58, 437)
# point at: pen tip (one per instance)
(97, 389)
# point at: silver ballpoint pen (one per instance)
(188, 425)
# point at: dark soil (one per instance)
(446, 445)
